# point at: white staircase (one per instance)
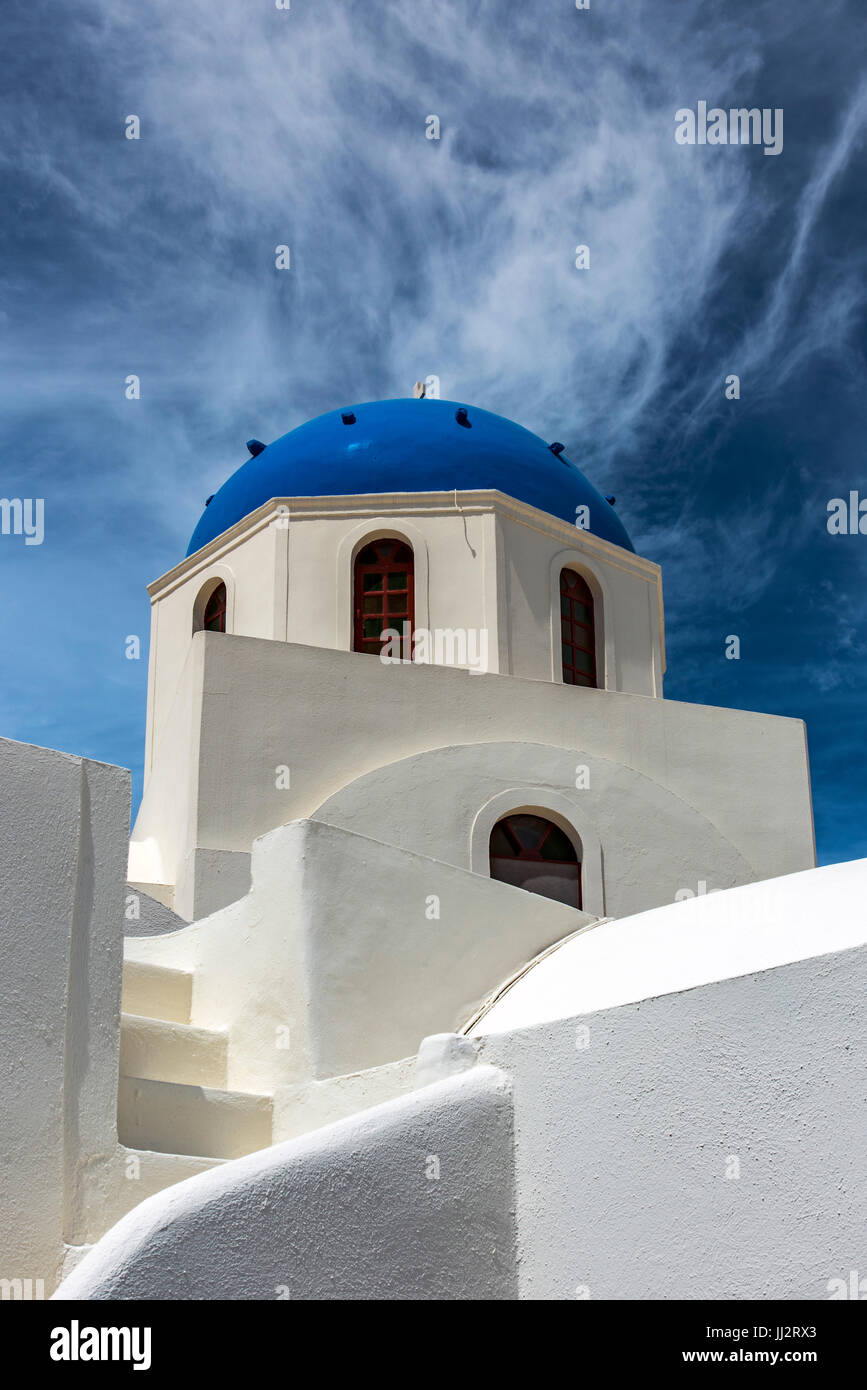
(172, 1096)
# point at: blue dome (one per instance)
(409, 445)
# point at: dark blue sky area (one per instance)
(410, 256)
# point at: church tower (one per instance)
(419, 622)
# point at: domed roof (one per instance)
(409, 445)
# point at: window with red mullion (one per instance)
(577, 630)
(384, 594)
(215, 611)
(525, 840)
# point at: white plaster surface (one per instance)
(345, 954)
(246, 707)
(350, 1212)
(711, 937)
(646, 1055)
(64, 1178)
(309, 1105)
(704, 1144)
(445, 803)
(62, 873)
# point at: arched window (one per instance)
(577, 630)
(214, 617)
(383, 594)
(533, 853)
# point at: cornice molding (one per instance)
(474, 502)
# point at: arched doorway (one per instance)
(533, 853)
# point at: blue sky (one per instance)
(306, 127)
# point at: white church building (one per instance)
(448, 958)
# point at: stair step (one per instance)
(157, 1049)
(156, 991)
(165, 1117)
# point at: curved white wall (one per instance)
(717, 936)
(246, 707)
(413, 1199)
(705, 1144)
(356, 977)
(642, 844)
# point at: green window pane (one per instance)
(372, 627)
(371, 581)
(397, 581)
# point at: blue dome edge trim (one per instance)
(409, 445)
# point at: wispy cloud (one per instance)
(262, 126)
(772, 348)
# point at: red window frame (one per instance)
(577, 630)
(214, 617)
(517, 835)
(380, 599)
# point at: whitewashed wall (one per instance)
(246, 708)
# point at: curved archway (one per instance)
(210, 610)
(383, 594)
(214, 619)
(531, 852)
(554, 806)
(371, 529)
